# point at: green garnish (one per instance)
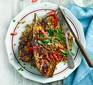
(40, 42)
(50, 32)
(49, 23)
(64, 52)
(63, 39)
(13, 20)
(46, 41)
(41, 35)
(72, 53)
(59, 31)
(20, 69)
(59, 34)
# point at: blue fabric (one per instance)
(83, 75)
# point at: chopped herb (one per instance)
(63, 39)
(49, 23)
(20, 69)
(41, 35)
(50, 32)
(40, 42)
(13, 20)
(46, 41)
(59, 31)
(72, 53)
(64, 52)
(59, 34)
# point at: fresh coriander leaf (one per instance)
(64, 52)
(49, 23)
(46, 41)
(72, 53)
(59, 34)
(41, 35)
(13, 20)
(40, 42)
(63, 39)
(50, 32)
(20, 69)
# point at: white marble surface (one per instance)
(8, 10)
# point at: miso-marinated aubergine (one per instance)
(43, 44)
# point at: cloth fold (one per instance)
(83, 75)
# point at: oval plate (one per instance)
(11, 41)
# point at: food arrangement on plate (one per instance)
(38, 49)
(43, 43)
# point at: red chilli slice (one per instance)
(57, 56)
(51, 12)
(33, 48)
(61, 48)
(34, 1)
(51, 57)
(43, 32)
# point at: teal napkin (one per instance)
(83, 75)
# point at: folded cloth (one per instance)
(83, 75)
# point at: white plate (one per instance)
(11, 42)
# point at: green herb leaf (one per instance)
(49, 23)
(41, 35)
(59, 31)
(20, 69)
(64, 52)
(40, 42)
(50, 32)
(13, 20)
(46, 41)
(59, 34)
(72, 53)
(63, 39)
